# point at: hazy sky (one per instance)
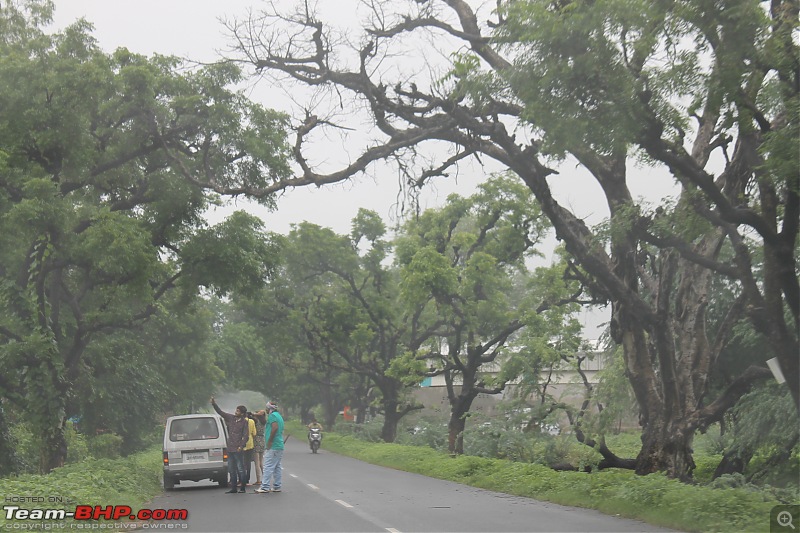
(192, 29)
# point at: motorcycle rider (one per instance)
(314, 425)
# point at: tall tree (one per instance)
(265, 342)
(458, 267)
(349, 311)
(100, 205)
(707, 92)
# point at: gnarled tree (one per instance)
(707, 92)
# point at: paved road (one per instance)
(331, 493)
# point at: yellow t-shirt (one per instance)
(251, 434)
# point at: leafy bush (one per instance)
(714, 441)
(368, 431)
(77, 445)
(430, 432)
(764, 424)
(27, 446)
(106, 446)
(483, 439)
(625, 444)
(705, 465)
(132, 481)
(517, 446)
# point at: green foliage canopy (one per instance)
(107, 163)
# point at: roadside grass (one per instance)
(131, 481)
(653, 499)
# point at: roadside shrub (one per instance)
(625, 444)
(495, 439)
(106, 446)
(728, 481)
(705, 465)
(431, 433)
(482, 439)
(27, 446)
(132, 480)
(516, 446)
(584, 457)
(368, 431)
(466, 467)
(77, 446)
(714, 442)
(555, 449)
(775, 466)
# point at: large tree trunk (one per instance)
(461, 398)
(455, 433)
(361, 412)
(361, 404)
(668, 362)
(331, 402)
(54, 451)
(667, 447)
(390, 390)
(459, 407)
(393, 411)
(391, 417)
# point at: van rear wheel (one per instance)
(169, 482)
(223, 482)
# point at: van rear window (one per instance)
(193, 429)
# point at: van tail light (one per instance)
(224, 454)
(166, 459)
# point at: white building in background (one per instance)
(564, 383)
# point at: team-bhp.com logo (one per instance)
(94, 512)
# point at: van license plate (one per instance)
(195, 457)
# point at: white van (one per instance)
(195, 449)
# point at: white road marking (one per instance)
(344, 504)
(313, 486)
(392, 530)
(293, 476)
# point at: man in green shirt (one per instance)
(273, 470)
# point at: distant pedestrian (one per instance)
(273, 469)
(237, 440)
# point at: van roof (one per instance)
(200, 415)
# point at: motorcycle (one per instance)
(314, 439)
